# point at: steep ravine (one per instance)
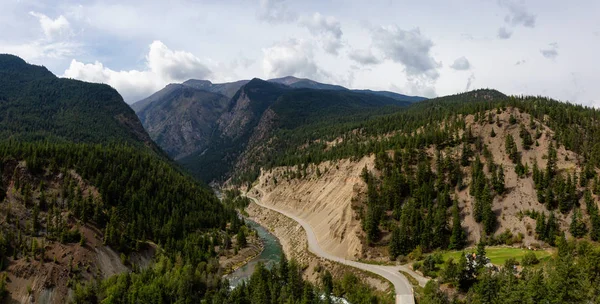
(324, 200)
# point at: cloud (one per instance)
(470, 82)
(275, 11)
(55, 43)
(364, 57)
(504, 33)
(517, 14)
(290, 58)
(327, 28)
(58, 28)
(551, 52)
(163, 66)
(175, 65)
(461, 64)
(42, 49)
(409, 48)
(416, 86)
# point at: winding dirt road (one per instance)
(403, 288)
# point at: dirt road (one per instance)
(403, 288)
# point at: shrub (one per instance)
(529, 259)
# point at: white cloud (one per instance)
(364, 57)
(327, 28)
(517, 14)
(56, 42)
(504, 33)
(461, 64)
(54, 29)
(470, 82)
(417, 86)
(290, 58)
(410, 48)
(41, 49)
(275, 11)
(163, 66)
(551, 52)
(174, 65)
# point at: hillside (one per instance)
(484, 151)
(36, 105)
(262, 112)
(181, 119)
(446, 174)
(86, 195)
(208, 126)
(303, 83)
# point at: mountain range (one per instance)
(198, 117)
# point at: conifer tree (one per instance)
(577, 228)
(458, 236)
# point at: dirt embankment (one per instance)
(323, 198)
(295, 245)
(40, 268)
(230, 261)
(521, 194)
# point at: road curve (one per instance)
(403, 288)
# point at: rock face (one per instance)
(181, 118)
(214, 129)
(324, 199)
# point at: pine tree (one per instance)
(241, 238)
(552, 229)
(458, 236)
(511, 149)
(35, 223)
(395, 246)
(577, 228)
(480, 255)
(488, 215)
(551, 165)
(526, 138)
(465, 155)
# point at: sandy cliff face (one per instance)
(323, 199)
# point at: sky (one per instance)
(427, 48)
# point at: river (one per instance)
(270, 255)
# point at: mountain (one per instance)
(194, 117)
(518, 174)
(35, 105)
(86, 194)
(249, 130)
(181, 118)
(228, 89)
(303, 83)
(393, 95)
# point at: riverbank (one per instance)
(230, 261)
(295, 245)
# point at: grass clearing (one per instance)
(498, 255)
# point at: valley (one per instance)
(374, 196)
(402, 287)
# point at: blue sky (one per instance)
(428, 48)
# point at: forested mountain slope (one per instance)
(209, 127)
(35, 105)
(450, 172)
(261, 113)
(85, 194)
